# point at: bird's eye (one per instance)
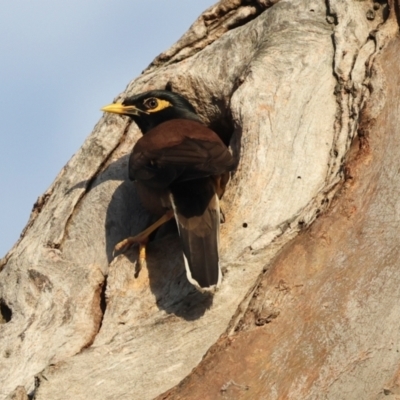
(151, 103)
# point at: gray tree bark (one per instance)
(309, 93)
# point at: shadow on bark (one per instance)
(167, 281)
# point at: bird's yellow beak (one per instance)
(118, 108)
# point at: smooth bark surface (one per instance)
(309, 315)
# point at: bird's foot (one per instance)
(141, 239)
(127, 243)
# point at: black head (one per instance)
(150, 109)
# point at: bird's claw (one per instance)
(127, 243)
(124, 245)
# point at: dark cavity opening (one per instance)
(5, 311)
(103, 300)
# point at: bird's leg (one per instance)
(143, 237)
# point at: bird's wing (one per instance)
(177, 161)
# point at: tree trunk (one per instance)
(308, 93)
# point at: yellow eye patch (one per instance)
(161, 104)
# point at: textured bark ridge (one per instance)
(307, 95)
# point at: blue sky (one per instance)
(60, 62)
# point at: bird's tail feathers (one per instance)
(200, 241)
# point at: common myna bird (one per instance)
(180, 168)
